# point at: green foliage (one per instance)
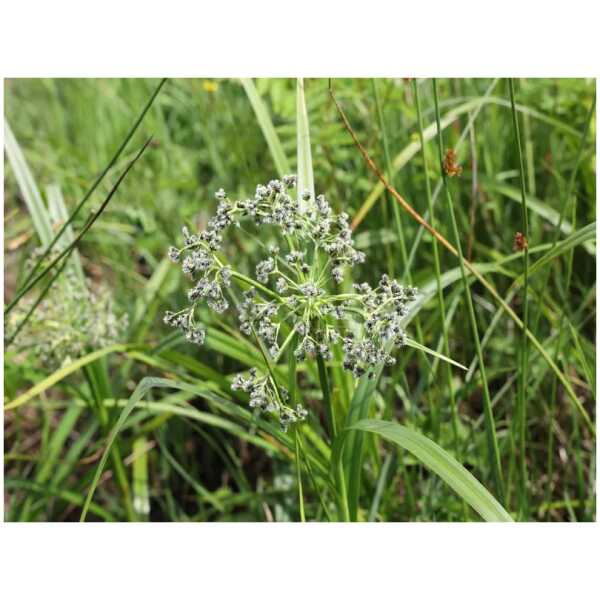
(150, 429)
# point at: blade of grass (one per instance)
(473, 116)
(299, 475)
(76, 449)
(266, 124)
(51, 457)
(139, 392)
(175, 405)
(523, 350)
(442, 464)
(353, 452)
(427, 350)
(292, 393)
(587, 370)
(384, 204)
(580, 237)
(537, 207)
(380, 486)
(149, 383)
(560, 221)
(305, 168)
(563, 319)
(29, 190)
(54, 492)
(202, 492)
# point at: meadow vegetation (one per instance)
(416, 344)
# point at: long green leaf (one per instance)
(305, 169)
(267, 127)
(353, 451)
(29, 190)
(440, 462)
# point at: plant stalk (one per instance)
(524, 354)
(493, 451)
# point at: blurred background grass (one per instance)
(206, 136)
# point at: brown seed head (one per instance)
(451, 168)
(520, 242)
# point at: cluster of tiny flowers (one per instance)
(291, 302)
(70, 322)
(385, 307)
(264, 396)
(210, 277)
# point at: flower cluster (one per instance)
(450, 164)
(264, 394)
(289, 302)
(70, 322)
(386, 306)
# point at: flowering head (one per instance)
(295, 298)
(70, 321)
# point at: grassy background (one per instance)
(172, 457)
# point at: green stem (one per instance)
(324, 380)
(253, 283)
(299, 476)
(312, 478)
(292, 393)
(494, 454)
(438, 276)
(342, 491)
(522, 388)
(282, 349)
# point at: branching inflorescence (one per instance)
(289, 303)
(72, 320)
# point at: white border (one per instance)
(314, 561)
(374, 38)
